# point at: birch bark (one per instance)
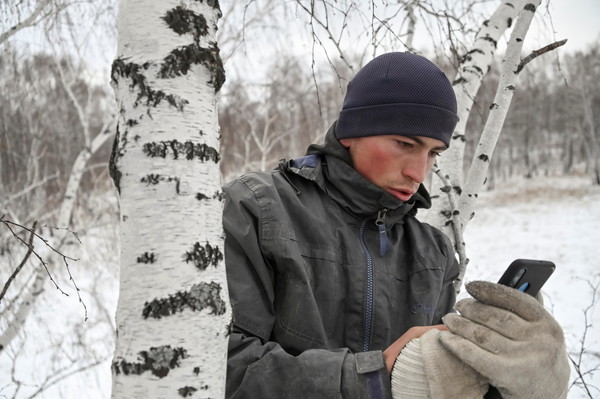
(173, 313)
(498, 111)
(467, 82)
(455, 201)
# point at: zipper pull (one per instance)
(383, 239)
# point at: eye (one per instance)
(405, 144)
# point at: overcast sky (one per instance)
(577, 20)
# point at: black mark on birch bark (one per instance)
(157, 360)
(494, 106)
(447, 189)
(151, 179)
(146, 257)
(182, 20)
(213, 4)
(204, 256)
(217, 195)
(489, 39)
(475, 70)
(179, 61)
(484, 158)
(154, 179)
(115, 154)
(200, 296)
(133, 71)
(460, 137)
(186, 391)
(509, 22)
(188, 150)
(529, 7)
(469, 55)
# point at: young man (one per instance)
(335, 284)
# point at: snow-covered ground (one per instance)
(546, 218)
(557, 219)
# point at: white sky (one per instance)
(576, 20)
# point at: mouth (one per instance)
(402, 195)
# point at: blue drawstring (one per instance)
(383, 239)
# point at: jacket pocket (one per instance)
(307, 300)
(414, 295)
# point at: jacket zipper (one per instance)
(383, 248)
(369, 293)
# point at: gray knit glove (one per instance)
(425, 369)
(508, 337)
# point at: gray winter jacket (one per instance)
(326, 270)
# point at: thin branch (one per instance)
(577, 362)
(18, 268)
(537, 53)
(65, 258)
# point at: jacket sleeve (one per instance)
(257, 367)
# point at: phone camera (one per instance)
(516, 278)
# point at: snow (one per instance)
(544, 218)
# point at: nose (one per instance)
(417, 167)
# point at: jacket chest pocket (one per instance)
(413, 295)
(308, 298)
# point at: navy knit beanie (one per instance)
(399, 93)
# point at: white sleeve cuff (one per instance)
(408, 374)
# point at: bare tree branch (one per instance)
(537, 53)
(17, 270)
(65, 258)
(41, 11)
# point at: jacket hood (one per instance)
(354, 191)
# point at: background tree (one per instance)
(55, 120)
(173, 314)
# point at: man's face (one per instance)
(397, 164)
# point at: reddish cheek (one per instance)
(377, 165)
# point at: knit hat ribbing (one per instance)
(399, 93)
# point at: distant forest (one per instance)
(552, 127)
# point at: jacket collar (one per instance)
(335, 175)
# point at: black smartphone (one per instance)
(527, 275)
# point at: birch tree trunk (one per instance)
(173, 313)
(473, 68)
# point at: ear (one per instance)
(345, 142)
